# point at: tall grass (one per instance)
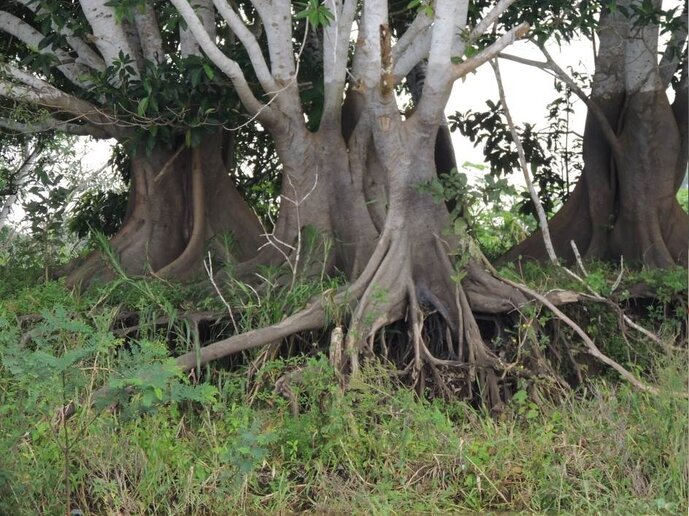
(175, 446)
(375, 448)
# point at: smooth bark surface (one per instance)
(178, 202)
(625, 202)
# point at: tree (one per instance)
(355, 166)
(635, 143)
(358, 178)
(112, 71)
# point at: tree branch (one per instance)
(416, 47)
(413, 55)
(551, 66)
(489, 19)
(471, 64)
(149, 34)
(416, 29)
(248, 40)
(86, 55)
(335, 53)
(450, 16)
(367, 66)
(109, 37)
(32, 38)
(229, 67)
(52, 124)
(205, 10)
(29, 88)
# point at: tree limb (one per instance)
(413, 55)
(450, 15)
(416, 29)
(335, 53)
(29, 88)
(551, 66)
(489, 19)
(250, 43)
(32, 38)
(53, 124)
(228, 66)
(149, 34)
(206, 12)
(469, 65)
(86, 55)
(367, 67)
(109, 37)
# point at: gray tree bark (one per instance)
(625, 202)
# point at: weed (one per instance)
(216, 447)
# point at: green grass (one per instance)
(374, 449)
(226, 447)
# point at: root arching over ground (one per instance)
(414, 281)
(362, 189)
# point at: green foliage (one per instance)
(486, 207)
(683, 198)
(665, 312)
(490, 130)
(20, 265)
(422, 6)
(98, 211)
(316, 13)
(225, 445)
(375, 448)
(179, 97)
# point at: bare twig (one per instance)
(208, 265)
(542, 218)
(577, 257)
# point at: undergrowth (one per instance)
(228, 441)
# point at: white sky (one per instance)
(528, 90)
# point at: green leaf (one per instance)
(209, 71)
(143, 105)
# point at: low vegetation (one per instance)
(275, 432)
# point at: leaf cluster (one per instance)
(489, 129)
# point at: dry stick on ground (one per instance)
(543, 222)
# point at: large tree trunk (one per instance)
(624, 203)
(179, 201)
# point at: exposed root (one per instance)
(588, 342)
(311, 318)
(443, 347)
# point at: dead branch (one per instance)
(590, 345)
